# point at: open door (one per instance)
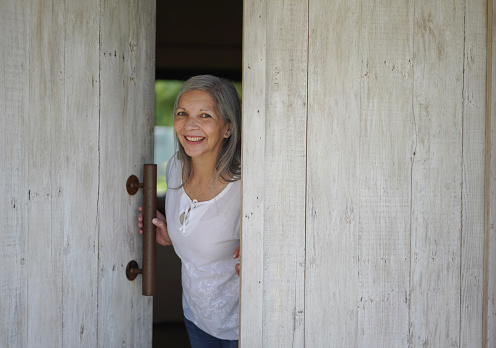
(76, 98)
(126, 140)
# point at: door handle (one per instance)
(149, 187)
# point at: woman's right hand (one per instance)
(161, 222)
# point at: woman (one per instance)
(203, 208)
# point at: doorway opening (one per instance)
(192, 38)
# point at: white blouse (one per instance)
(204, 236)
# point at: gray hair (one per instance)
(228, 104)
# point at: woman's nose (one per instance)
(191, 123)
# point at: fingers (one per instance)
(236, 253)
(159, 223)
(140, 220)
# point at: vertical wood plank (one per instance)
(332, 174)
(387, 140)
(489, 319)
(127, 47)
(14, 66)
(285, 172)
(437, 174)
(51, 153)
(253, 169)
(75, 173)
(45, 237)
(472, 238)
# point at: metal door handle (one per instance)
(149, 187)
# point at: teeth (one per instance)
(194, 138)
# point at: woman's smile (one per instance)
(194, 139)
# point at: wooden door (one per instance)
(76, 101)
(368, 178)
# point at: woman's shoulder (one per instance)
(173, 171)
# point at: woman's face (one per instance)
(200, 127)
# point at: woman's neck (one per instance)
(203, 184)
(203, 171)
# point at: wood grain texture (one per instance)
(386, 148)
(472, 237)
(126, 143)
(253, 168)
(51, 154)
(14, 66)
(395, 177)
(437, 174)
(77, 175)
(285, 172)
(331, 272)
(489, 310)
(45, 235)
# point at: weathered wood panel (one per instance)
(44, 234)
(13, 168)
(472, 237)
(331, 272)
(253, 182)
(77, 174)
(55, 148)
(395, 177)
(489, 298)
(386, 148)
(284, 174)
(437, 174)
(126, 143)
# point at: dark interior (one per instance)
(199, 37)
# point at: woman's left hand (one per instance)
(236, 255)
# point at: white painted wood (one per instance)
(489, 319)
(253, 169)
(274, 175)
(331, 272)
(14, 170)
(472, 237)
(386, 148)
(395, 176)
(284, 174)
(437, 174)
(77, 124)
(126, 143)
(44, 234)
(75, 176)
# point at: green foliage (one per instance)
(238, 85)
(161, 185)
(165, 95)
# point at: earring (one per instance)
(228, 133)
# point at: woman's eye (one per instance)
(181, 113)
(206, 116)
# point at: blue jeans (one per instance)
(200, 339)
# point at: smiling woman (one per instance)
(203, 207)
